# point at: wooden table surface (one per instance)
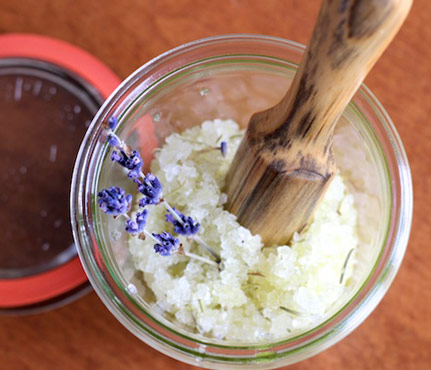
(125, 34)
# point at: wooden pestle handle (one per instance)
(285, 163)
(348, 38)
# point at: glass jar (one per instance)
(234, 76)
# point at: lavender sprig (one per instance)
(194, 237)
(123, 154)
(113, 140)
(188, 226)
(114, 201)
(137, 225)
(166, 244)
(112, 122)
(151, 189)
(223, 148)
(132, 161)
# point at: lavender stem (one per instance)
(171, 210)
(117, 137)
(151, 236)
(207, 247)
(202, 259)
(126, 216)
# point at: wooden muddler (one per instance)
(285, 161)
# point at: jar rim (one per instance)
(367, 303)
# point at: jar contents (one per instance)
(255, 293)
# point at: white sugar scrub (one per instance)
(257, 293)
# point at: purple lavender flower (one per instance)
(151, 188)
(188, 227)
(112, 122)
(132, 162)
(114, 201)
(168, 244)
(113, 140)
(137, 225)
(223, 148)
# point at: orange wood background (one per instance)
(125, 34)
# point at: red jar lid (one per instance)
(49, 93)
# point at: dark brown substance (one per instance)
(44, 118)
(125, 34)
